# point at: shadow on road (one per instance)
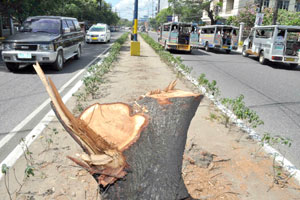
(277, 65)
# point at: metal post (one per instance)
(11, 24)
(1, 27)
(135, 20)
(241, 32)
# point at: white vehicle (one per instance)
(276, 43)
(223, 37)
(98, 33)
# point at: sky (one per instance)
(125, 7)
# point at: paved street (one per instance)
(271, 90)
(23, 92)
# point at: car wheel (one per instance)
(59, 62)
(13, 67)
(78, 55)
(244, 52)
(206, 47)
(262, 59)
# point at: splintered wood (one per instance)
(105, 131)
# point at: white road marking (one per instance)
(18, 150)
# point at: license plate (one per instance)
(24, 55)
(94, 38)
(289, 59)
(224, 47)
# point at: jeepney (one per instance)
(222, 37)
(276, 43)
(176, 36)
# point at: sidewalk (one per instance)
(219, 162)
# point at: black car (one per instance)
(46, 39)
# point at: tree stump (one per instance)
(133, 151)
(155, 160)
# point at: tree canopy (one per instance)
(84, 10)
(248, 15)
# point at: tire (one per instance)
(59, 62)
(228, 51)
(244, 52)
(13, 67)
(206, 47)
(293, 66)
(261, 58)
(78, 55)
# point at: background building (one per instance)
(232, 7)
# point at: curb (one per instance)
(279, 158)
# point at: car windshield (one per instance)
(97, 29)
(51, 26)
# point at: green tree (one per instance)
(161, 17)
(248, 15)
(83, 10)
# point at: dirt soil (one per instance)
(219, 162)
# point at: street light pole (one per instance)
(135, 20)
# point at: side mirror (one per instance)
(66, 30)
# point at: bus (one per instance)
(222, 37)
(276, 43)
(176, 36)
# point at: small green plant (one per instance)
(213, 116)
(55, 131)
(280, 176)
(211, 87)
(275, 140)
(81, 97)
(5, 171)
(239, 108)
(29, 171)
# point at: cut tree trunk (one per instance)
(155, 160)
(133, 151)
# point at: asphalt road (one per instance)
(22, 92)
(271, 90)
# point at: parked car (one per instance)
(276, 43)
(98, 33)
(46, 39)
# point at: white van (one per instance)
(222, 37)
(276, 43)
(98, 33)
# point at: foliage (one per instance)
(211, 87)
(238, 107)
(83, 10)
(187, 10)
(125, 22)
(284, 17)
(275, 140)
(161, 17)
(280, 176)
(248, 15)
